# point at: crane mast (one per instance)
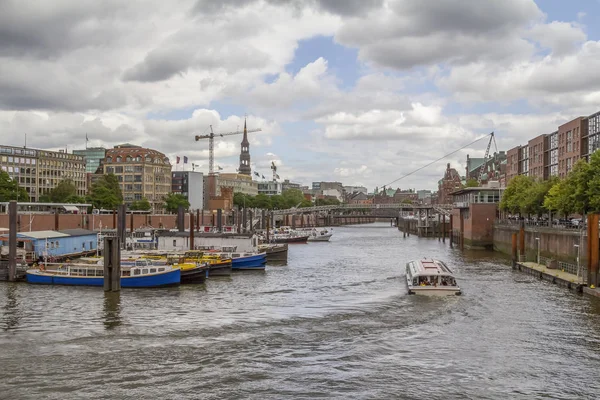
(485, 158)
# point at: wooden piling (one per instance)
(131, 224)
(514, 251)
(56, 220)
(198, 223)
(12, 241)
(451, 235)
(114, 219)
(444, 229)
(462, 232)
(220, 220)
(439, 225)
(593, 249)
(522, 239)
(191, 231)
(267, 228)
(251, 216)
(112, 264)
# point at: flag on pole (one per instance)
(178, 159)
(86, 138)
(185, 159)
(257, 174)
(277, 176)
(220, 168)
(263, 177)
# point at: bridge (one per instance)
(443, 209)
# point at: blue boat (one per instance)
(141, 275)
(245, 261)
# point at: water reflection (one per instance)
(12, 314)
(112, 309)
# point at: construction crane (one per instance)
(485, 158)
(274, 168)
(211, 144)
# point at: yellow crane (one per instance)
(211, 144)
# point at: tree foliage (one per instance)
(106, 193)
(173, 201)
(140, 205)
(65, 190)
(472, 182)
(559, 198)
(327, 202)
(514, 199)
(10, 190)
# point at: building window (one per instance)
(174, 243)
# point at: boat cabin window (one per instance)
(136, 272)
(152, 270)
(145, 271)
(161, 269)
(235, 255)
(448, 281)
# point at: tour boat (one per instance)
(218, 266)
(242, 260)
(430, 277)
(191, 271)
(141, 275)
(287, 235)
(276, 252)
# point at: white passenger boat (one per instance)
(318, 235)
(430, 277)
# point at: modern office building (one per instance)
(270, 188)
(39, 171)
(191, 185)
(142, 173)
(92, 156)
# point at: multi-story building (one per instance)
(537, 155)
(512, 163)
(524, 160)
(450, 183)
(316, 186)
(405, 196)
(571, 144)
(552, 155)
(270, 188)
(241, 183)
(285, 185)
(142, 173)
(92, 156)
(191, 185)
(39, 171)
(593, 136)
(355, 189)
(492, 167)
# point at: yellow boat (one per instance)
(219, 266)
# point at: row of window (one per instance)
(147, 159)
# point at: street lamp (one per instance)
(538, 249)
(577, 246)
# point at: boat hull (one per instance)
(296, 239)
(167, 278)
(434, 290)
(194, 275)
(254, 262)
(320, 238)
(219, 270)
(277, 254)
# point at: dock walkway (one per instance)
(558, 277)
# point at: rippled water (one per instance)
(335, 323)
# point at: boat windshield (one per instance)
(434, 280)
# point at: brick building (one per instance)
(571, 146)
(450, 183)
(537, 155)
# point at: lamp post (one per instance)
(577, 246)
(538, 249)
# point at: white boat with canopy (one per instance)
(430, 277)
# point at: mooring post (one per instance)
(180, 219)
(451, 231)
(522, 240)
(56, 220)
(198, 220)
(202, 216)
(444, 229)
(262, 219)
(439, 225)
(272, 219)
(131, 224)
(115, 219)
(191, 231)
(593, 250)
(251, 216)
(219, 220)
(12, 241)
(121, 224)
(514, 249)
(244, 219)
(112, 264)
(267, 228)
(462, 231)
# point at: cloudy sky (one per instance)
(358, 91)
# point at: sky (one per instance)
(357, 91)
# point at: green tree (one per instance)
(141, 205)
(106, 193)
(243, 200)
(262, 201)
(594, 182)
(306, 203)
(173, 201)
(533, 201)
(278, 202)
(579, 179)
(75, 199)
(472, 182)
(327, 202)
(10, 189)
(292, 197)
(559, 198)
(514, 199)
(65, 189)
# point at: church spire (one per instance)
(245, 154)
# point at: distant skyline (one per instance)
(358, 91)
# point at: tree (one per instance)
(593, 190)
(292, 197)
(559, 198)
(75, 199)
(243, 200)
(65, 189)
(579, 179)
(306, 203)
(141, 205)
(472, 182)
(10, 189)
(173, 201)
(533, 200)
(514, 199)
(262, 201)
(106, 193)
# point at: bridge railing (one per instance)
(342, 207)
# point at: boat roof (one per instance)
(430, 266)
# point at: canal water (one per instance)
(335, 323)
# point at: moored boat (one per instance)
(320, 235)
(276, 253)
(430, 277)
(243, 260)
(141, 275)
(218, 266)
